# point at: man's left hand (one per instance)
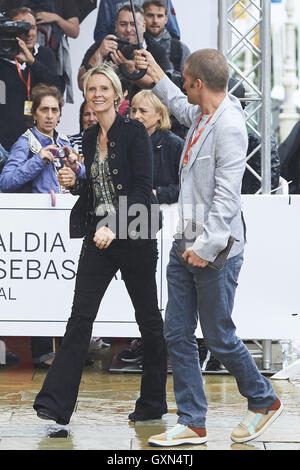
(46, 17)
(190, 257)
(24, 54)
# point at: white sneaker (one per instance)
(179, 435)
(256, 422)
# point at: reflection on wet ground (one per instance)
(105, 400)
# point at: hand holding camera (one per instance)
(48, 154)
(60, 156)
(107, 46)
(9, 30)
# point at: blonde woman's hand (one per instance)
(66, 177)
(103, 237)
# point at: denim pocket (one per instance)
(238, 262)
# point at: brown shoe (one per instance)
(256, 422)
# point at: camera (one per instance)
(125, 47)
(59, 154)
(9, 30)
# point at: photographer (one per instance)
(110, 49)
(32, 65)
(34, 160)
(107, 15)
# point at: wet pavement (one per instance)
(100, 419)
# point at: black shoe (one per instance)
(11, 358)
(207, 361)
(135, 416)
(106, 342)
(133, 354)
(89, 362)
(43, 413)
(59, 433)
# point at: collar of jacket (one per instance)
(164, 36)
(47, 140)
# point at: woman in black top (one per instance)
(118, 161)
(167, 146)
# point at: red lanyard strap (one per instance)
(26, 83)
(195, 140)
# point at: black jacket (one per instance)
(289, 151)
(167, 148)
(250, 183)
(12, 120)
(130, 163)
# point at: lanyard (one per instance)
(28, 83)
(195, 140)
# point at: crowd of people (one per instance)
(136, 140)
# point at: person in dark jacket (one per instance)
(32, 165)
(251, 184)
(166, 146)
(118, 161)
(34, 64)
(289, 152)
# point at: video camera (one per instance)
(9, 30)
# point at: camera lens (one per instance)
(61, 153)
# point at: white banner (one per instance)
(38, 263)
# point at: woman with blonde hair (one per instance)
(118, 161)
(166, 146)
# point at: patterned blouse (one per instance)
(103, 187)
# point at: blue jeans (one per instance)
(207, 294)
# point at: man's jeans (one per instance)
(207, 294)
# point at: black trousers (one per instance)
(96, 269)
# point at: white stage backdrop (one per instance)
(38, 264)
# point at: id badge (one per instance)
(27, 108)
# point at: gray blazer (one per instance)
(210, 183)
